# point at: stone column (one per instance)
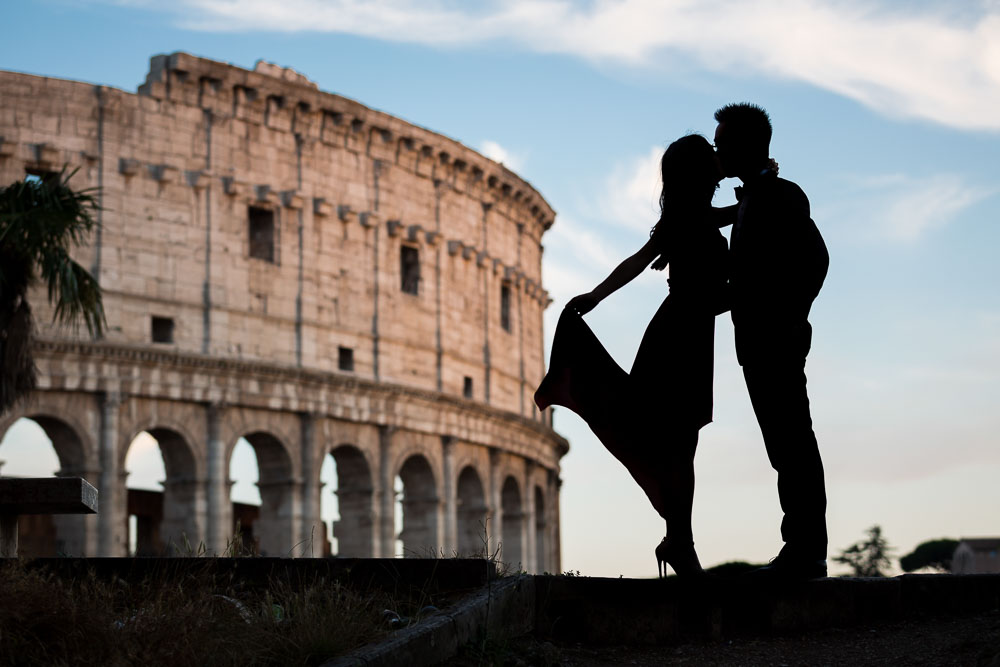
(110, 517)
(493, 504)
(354, 530)
(450, 541)
(182, 529)
(385, 546)
(555, 557)
(219, 508)
(278, 530)
(313, 530)
(528, 524)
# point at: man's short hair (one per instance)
(748, 121)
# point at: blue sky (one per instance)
(885, 113)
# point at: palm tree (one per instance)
(40, 220)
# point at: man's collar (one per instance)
(751, 183)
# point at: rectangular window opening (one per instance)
(163, 329)
(467, 387)
(261, 233)
(39, 175)
(345, 358)
(409, 269)
(505, 307)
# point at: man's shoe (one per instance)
(787, 568)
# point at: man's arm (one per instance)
(725, 215)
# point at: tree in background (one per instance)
(41, 219)
(869, 557)
(933, 554)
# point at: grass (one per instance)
(179, 619)
(192, 616)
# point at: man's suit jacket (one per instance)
(778, 262)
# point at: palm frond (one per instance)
(18, 375)
(39, 222)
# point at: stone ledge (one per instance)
(503, 610)
(391, 574)
(635, 611)
(47, 495)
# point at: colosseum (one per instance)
(288, 266)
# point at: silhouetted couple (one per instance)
(768, 278)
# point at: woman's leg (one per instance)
(677, 484)
(678, 479)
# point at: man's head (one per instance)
(742, 139)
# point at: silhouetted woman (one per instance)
(649, 418)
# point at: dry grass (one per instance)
(182, 620)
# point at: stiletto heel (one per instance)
(681, 557)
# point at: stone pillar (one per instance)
(420, 526)
(110, 517)
(313, 530)
(449, 543)
(493, 504)
(183, 527)
(219, 506)
(386, 542)
(278, 530)
(555, 558)
(355, 538)
(528, 524)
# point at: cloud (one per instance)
(904, 208)
(920, 206)
(932, 62)
(495, 151)
(633, 191)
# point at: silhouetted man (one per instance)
(778, 264)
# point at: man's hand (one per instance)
(584, 303)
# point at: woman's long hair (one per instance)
(690, 176)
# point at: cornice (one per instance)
(97, 351)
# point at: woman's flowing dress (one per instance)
(669, 389)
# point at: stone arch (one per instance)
(511, 515)
(471, 512)
(59, 416)
(354, 530)
(273, 531)
(178, 521)
(178, 435)
(67, 440)
(540, 528)
(421, 507)
(66, 534)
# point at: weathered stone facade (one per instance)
(289, 266)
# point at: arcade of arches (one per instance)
(459, 496)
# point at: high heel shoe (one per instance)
(680, 556)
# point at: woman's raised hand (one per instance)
(584, 303)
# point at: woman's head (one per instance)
(690, 172)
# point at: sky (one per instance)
(885, 113)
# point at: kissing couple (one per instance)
(767, 277)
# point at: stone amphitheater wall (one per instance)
(256, 342)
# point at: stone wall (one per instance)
(254, 232)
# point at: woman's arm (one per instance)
(623, 274)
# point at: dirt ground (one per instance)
(972, 641)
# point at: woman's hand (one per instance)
(583, 303)
(659, 263)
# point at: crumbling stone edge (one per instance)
(504, 609)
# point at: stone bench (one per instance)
(45, 495)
